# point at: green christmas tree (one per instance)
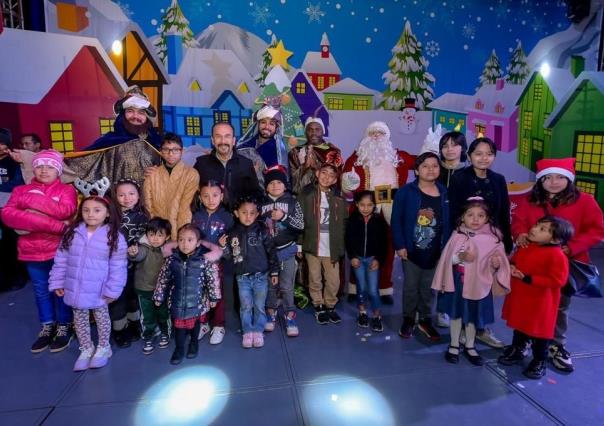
(492, 70)
(408, 76)
(266, 63)
(290, 110)
(174, 22)
(518, 69)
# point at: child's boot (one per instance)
(535, 370)
(180, 335)
(194, 343)
(511, 355)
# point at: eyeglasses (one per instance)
(171, 150)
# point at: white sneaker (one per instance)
(488, 338)
(217, 335)
(101, 357)
(442, 320)
(203, 330)
(83, 361)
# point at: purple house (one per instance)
(492, 111)
(309, 99)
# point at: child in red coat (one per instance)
(539, 271)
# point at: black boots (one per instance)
(180, 335)
(194, 343)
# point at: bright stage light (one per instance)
(116, 47)
(545, 69)
(346, 400)
(194, 395)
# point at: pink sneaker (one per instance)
(248, 340)
(258, 339)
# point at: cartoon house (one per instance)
(541, 94)
(449, 110)
(309, 99)
(321, 67)
(59, 86)
(123, 40)
(492, 111)
(207, 86)
(348, 94)
(577, 126)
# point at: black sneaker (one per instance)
(134, 330)
(363, 320)
(321, 315)
(333, 316)
(148, 346)
(387, 299)
(428, 330)
(376, 324)
(122, 338)
(62, 338)
(511, 355)
(164, 340)
(561, 358)
(535, 370)
(44, 338)
(406, 329)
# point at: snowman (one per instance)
(407, 118)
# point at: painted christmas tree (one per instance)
(293, 130)
(408, 76)
(174, 22)
(518, 69)
(492, 70)
(266, 63)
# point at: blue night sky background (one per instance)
(456, 36)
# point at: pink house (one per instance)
(492, 111)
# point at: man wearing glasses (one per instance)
(170, 189)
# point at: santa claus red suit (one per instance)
(377, 166)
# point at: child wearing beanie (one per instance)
(39, 212)
(284, 219)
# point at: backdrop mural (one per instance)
(518, 71)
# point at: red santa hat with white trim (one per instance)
(561, 166)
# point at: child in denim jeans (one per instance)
(283, 215)
(366, 233)
(252, 251)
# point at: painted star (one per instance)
(279, 55)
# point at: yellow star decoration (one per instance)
(279, 55)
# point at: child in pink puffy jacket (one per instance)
(39, 212)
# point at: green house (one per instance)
(541, 94)
(577, 125)
(349, 95)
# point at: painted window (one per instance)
(461, 122)
(479, 128)
(335, 103)
(222, 116)
(106, 125)
(193, 125)
(61, 135)
(442, 119)
(538, 145)
(452, 120)
(524, 147)
(499, 108)
(538, 92)
(588, 186)
(321, 83)
(331, 81)
(360, 104)
(479, 105)
(527, 118)
(589, 153)
(245, 123)
(301, 88)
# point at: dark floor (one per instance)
(329, 375)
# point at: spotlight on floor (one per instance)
(193, 395)
(345, 400)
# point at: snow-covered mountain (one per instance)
(578, 39)
(247, 46)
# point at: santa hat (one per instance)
(277, 172)
(310, 120)
(135, 98)
(50, 158)
(561, 166)
(268, 111)
(378, 126)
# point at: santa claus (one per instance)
(377, 166)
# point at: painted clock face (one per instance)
(324, 48)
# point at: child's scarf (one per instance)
(479, 276)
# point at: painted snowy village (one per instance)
(544, 102)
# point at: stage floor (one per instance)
(329, 375)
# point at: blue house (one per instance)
(449, 110)
(308, 99)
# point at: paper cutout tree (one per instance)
(174, 22)
(293, 130)
(408, 76)
(518, 69)
(492, 70)
(266, 63)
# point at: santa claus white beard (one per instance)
(373, 152)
